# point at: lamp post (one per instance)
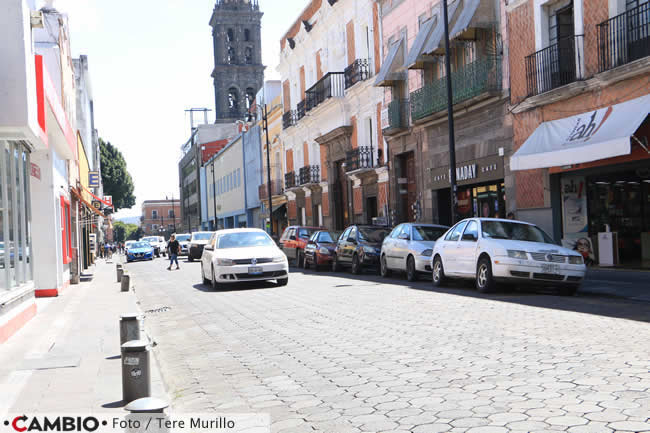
(268, 168)
(450, 120)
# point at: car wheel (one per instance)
(282, 281)
(215, 285)
(305, 262)
(411, 273)
(383, 267)
(484, 278)
(300, 259)
(438, 273)
(206, 282)
(356, 265)
(568, 290)
(335, 264)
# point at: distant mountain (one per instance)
(130, 220)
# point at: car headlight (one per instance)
(324, 251)
(279, 259)
(576, 260)
(427, 253)
(516, 254)
(224, 262)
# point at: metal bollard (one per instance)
(136, 371)
(129, 327)
(120, 271)
(147, 405)
(150, 412)
(126, 282)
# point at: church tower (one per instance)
(238, 71)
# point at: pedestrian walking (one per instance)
(172, 247)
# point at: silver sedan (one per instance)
(408, 248)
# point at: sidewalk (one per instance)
(67, 359)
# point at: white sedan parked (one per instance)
(236, 255)
(491, 250)
(409, 248)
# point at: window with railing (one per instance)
(624, 38)
(290, 180)
(362, 157)
(358, 71)
(398, 114)
(332, 85)
(309, 174)
(554, 66)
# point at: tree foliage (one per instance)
(115, 177)
(124, 232)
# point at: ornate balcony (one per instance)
(624, 38)
(398, 118)
(288, 119)
(469, 81)
(363, 157)
(300, 110)
(276, 189)
(309, 174)
(554, 66)
(332, 85)
(290, 180)
(358, 71)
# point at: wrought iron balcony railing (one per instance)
(554, 66)
(309, 174)
(276, 189)
(481, 76)
(300, 110)
(332, 85)
(624, 38)
(288, 119)
(358, 71)
(398, 118)
(362, 157)
(290, 180)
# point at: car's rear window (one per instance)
(182, 238)
(305, 233)
(425, 233)
(374, 235)
(201, 236)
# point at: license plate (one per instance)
(255, 270)
(550, 269)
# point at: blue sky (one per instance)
(149, 61)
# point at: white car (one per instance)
(158, 244)
(490, 250)
(184, 243)
(236, 255)
(409, 248)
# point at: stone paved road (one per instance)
(332, 353)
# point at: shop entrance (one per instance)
(371, 209)
(483, 200)
(407, 186)
(341, 204)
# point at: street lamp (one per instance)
(450, 120)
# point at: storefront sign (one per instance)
(466, 172)
(97, 204)
(108, 199)
(93, 179)
(470, 172)
(574, 204)
(36, 171)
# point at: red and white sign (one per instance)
(108, 200)
(36, 171)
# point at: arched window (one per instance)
(247, 35)
(250, 98)
(230, 35)
(233, 100)
(248, 55)
(231, 59)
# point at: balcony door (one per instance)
(407, 186)
(341, 204)
(561, 32)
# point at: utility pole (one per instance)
(214, 198)
(450, 120)
(268, 167)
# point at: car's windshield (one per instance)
(426, 233)
(305, 233)
(244, 240)
(201, 236)
(149, 240)
(374, 235)
(514, 231)
(140, 245)
(182, 238)
(328, 237)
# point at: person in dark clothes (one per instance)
(173, 247)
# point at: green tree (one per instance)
(136, 234)
(122, 231)
(115, 177)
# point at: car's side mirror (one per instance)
(473, 237)
(403, 236)
(209, 247)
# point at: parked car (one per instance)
(158, 244)
(139, 251)
(235, 255)
(409, 248)
(358, 247)
(184, 243)
(320, 248)
(493, 251)
(197, 242)
(294, 240)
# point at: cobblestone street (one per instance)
(333, 353)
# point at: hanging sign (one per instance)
(93, 179)
(36, 171)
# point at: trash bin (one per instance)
(136, 371)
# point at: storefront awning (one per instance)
(473, 14)
(88, 205)
(435, 44)
(414, 59)
(587, 137)
(392, 67)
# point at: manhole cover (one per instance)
(158, 310)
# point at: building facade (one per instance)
(160, 217)
(238, 71)
(415, 115)
(580, 86)
(335, 172)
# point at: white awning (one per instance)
(414, 60)
(473, 14)
(393, 65)
(587, 137)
